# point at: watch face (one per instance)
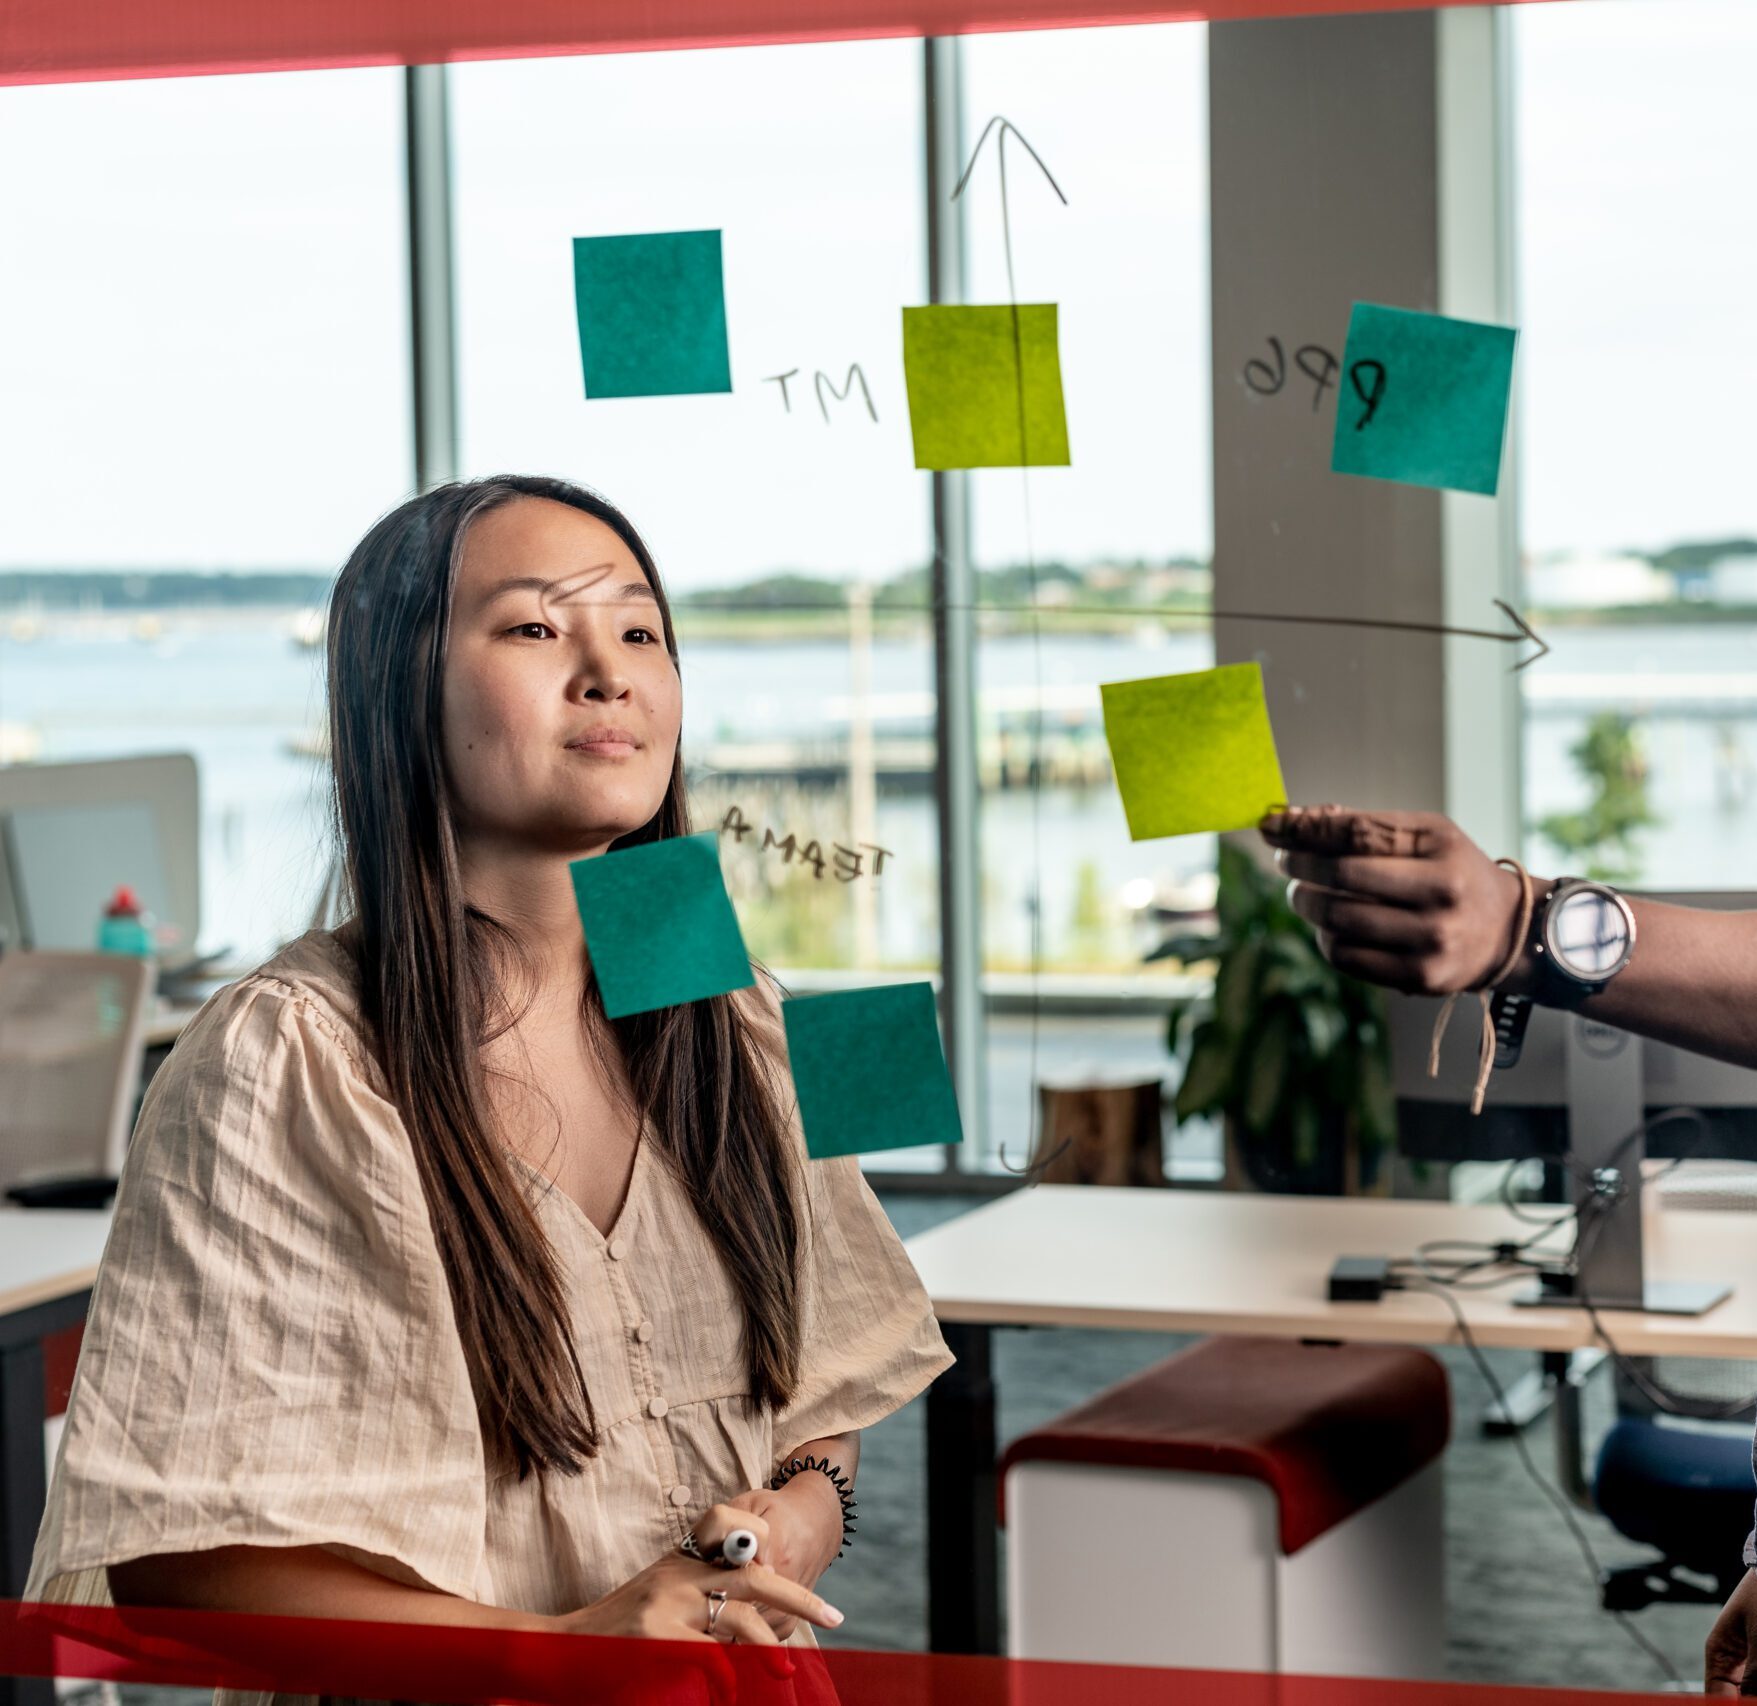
(1589, 935)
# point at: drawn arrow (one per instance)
(1521, 631)
(1005, 128)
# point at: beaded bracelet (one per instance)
(844, 1488)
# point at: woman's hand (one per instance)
(802, 1522)
(1405, 899)
(668, 1600)
(1731, 1641)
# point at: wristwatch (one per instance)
(1582, 935)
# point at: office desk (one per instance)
(48, 1260)
(165, 1024)
(1220, 1262)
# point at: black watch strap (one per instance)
(1511, 1014)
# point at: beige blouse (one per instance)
(271, 1358)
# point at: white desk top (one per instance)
(47, 1253)
(1230, 1262)
(165, 1024)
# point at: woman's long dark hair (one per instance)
(434, 975)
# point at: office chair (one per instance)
(71, 1029)
(1682, 1484)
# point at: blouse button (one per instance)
(644, 1331)
(618, 1248)
(657, 1408)
(680, 1496)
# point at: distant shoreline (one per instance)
(34, 603)
(25, 623)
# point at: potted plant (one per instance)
(1293, 1056)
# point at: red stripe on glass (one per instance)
(66, 41)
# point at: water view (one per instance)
(767, 727)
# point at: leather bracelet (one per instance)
(844, 1488)
(1492, 1045)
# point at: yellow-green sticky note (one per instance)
(1193, 753)
(985, 386)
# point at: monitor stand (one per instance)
(1658, 1297)
(1606, 1104)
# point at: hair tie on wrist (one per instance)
(844, 1488)
(1485, 1063)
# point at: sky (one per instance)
(203, 330)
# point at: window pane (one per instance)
(203, 366)
(1119, 117)
(1640, 513)
(816, 724)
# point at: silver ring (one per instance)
(716, 1604)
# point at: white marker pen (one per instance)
(739, 1547)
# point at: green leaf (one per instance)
(1296, 982)
(1181, 1015)
(1189, 949)
(1376, 1101)
(1207, 1080)
(1266, 1072)
(1235, 988)
(1326, 1027)
(1242, 895)
(1304, 1132)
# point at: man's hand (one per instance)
(804, 1534)
(1404, 899)
(1730, 1641)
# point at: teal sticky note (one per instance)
(869, 1070)
(1423, 399)
(652, 314)
(659, 924)
(1193, 753)
(985, 386)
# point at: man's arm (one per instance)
(1436, 914)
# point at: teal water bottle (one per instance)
(126, 927)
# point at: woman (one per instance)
(433, 1295)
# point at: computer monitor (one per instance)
(71, 1027)
(72, 834)
(1525, 1113)
(1580, 1088)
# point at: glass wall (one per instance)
(787, 516)
(1097, 571)
(203, 403)
(1635, 141)
(223, 339)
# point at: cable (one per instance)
(1443, 1275)
(1654, 1391)
(1544, 1485)
(1517, 1209)
(1591, 1215)
(1590, 1176)
(1501, 1254)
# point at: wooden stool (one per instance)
(1106, 1125)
